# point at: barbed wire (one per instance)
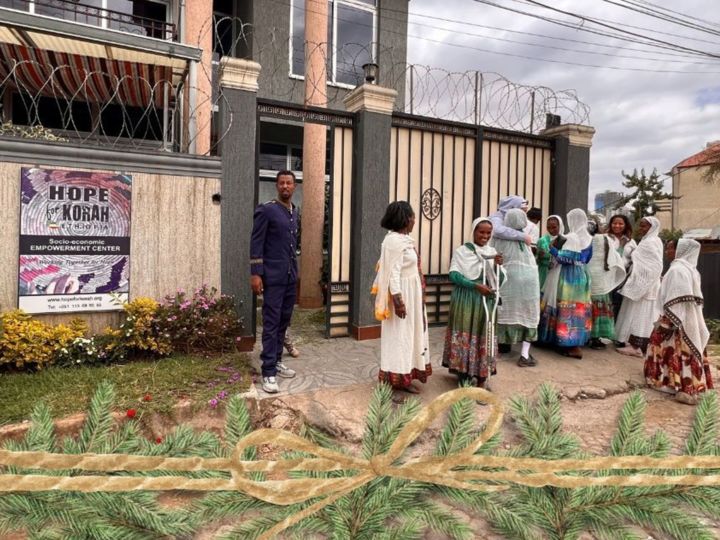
(475, 97)
(150, 107)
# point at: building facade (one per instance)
(696, 199)
(145, 72)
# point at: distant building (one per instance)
(696, 205)
(607, 201)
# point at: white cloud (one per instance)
(641, 119)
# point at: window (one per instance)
(143, 17)
(351, 39)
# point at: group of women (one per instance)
(575, 287)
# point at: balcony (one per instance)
(140, 17)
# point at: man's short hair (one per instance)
(285, 173)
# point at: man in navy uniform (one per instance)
(273, 265)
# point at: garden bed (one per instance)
(146, 386)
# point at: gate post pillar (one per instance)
(238, 132)
(373, 106)
(571, 166)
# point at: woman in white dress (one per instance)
(399, 303)
(639, 310)
(677, 360)
(519, 311)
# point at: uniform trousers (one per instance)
(278, 304)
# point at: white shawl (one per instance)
(391, 252)
(606, 267)
(578, 238)
(647, 261)
(681, 297)
(520, 293)
(471, 264)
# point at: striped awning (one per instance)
(78, 77)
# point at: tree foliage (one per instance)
(644, 193)
(386, 507)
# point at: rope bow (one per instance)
(495, 472)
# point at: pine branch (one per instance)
(99, 421)
(41, 435)
(703, 436)
(379, 409)
(408, 530)
(237, 425)
(458, 431)
(433, 516)
(630, 426)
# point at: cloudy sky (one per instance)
(642, 118)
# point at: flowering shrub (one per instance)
(140, 332)
(204, 321)
(25, 341)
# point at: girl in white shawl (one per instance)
(399, 303)
(639, 312)
(470, 337)
(677, 361)
(566, 307)
(607, 272)
(519, 311)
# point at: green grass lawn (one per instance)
(165, 381)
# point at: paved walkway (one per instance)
(342, 362)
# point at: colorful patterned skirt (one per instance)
(466, 347)
(670, 365)
(603, 318)
(569, 322)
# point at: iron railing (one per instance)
(97, 16)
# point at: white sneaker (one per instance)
(270, 385)
(284, 371)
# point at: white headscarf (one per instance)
(468, 262)
(682, 298)
(647, 259)
(606, 267)
(578, 238)
(561, 228)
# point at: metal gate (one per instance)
(339, 189)
(452, 173)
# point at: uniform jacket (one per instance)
(273, 244)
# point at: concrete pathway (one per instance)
(340, 362)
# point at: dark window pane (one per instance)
(298, 38)
(63, 9)
(296, 159)
(273, 156)
(21, 5)
(138, 17)
(223, 35)
(223, 6)
(51, 113)
(353, 43)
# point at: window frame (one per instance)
(332, 80)
(104, 7)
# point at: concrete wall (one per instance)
(175, 232)
(697, 207)
(271, 49)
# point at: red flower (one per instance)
(158, 440)
(131, 413)
(147, 397)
